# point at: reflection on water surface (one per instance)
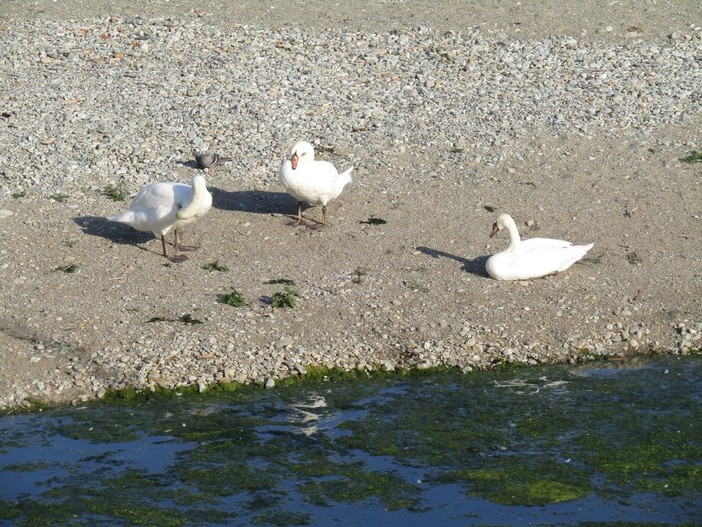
(552, 445)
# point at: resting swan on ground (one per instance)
(160, 207)
(310, 181)
(532, 258)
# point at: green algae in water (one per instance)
(576, 445)
(334, 482)
(522, 483)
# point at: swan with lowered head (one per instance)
(160, 207)
(532, 258)
(310, 181)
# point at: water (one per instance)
(537, 446)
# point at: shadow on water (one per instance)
(474, 266)
(547, 445)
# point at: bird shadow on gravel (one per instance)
(256, 201)
(188, 164)
(110, 230)
(474, 266)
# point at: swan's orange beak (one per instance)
(495, 229)
(293, 161)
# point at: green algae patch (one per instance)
(127, 395)
(317, 373)
(385, 443)
(329, 482)
(31, 405)
(106, 430)
(9, 510)
(132, 497)
(132, 396)
(354, 484)
(28, 466)
(228, 479)
(522, 484)
(282, 519)
(648, 464)
(424, 433)
(640, 443)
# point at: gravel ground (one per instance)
(574, 122)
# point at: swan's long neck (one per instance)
(514, 238)
(199, 191)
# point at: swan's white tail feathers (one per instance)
(346, 175)
(578, 252)
(344, 179)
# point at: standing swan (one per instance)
(160, 207)
(532, 258)
(310, 181)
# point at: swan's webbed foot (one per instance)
(299, 221)
(315, 225)
(177, 258)
(183, 247)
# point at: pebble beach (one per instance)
(584, 136)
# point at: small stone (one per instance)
(284, 342)
(387, 366)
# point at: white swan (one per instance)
(310, 181)
(532, 258)
(160, 207)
